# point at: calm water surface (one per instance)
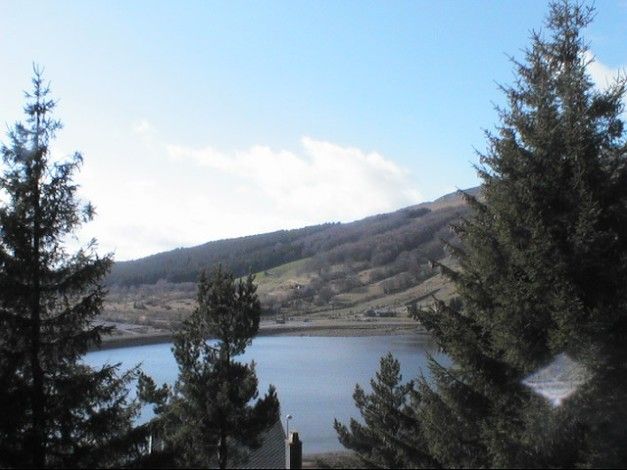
(314, 376)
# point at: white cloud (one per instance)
(154, 197)
(145, 131)
(324, 182)
(142, 127)
(602, 75)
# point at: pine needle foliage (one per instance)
(54, 410)
(543, 270)
(389, 436)
(209, 417)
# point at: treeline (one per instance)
(372, 247)
(240, 255)
(372, 242)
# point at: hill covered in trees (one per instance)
(375, 241)
(371, 264)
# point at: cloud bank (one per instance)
(165, 195)
(325, 182)
(602, 75)
(175, 195)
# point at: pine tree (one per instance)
(208, 418)
(390, 434)
(54, 410)
(542, 270)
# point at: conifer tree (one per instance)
(54, 410)
(390, 435)
(542, 270)
(209, 417)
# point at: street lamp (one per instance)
(287, 425)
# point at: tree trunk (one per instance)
(39, 457)
(223, 451)
(38, 408)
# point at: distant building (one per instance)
(272, 453)
(380, 312)
(276, 451)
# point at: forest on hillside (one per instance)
(388, 241)
(380, 262)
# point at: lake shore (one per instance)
(314, 376)
(339, 459)
(326, 327)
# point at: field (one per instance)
(155, 309)
(374, 268)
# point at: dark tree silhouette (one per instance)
(209, 417)
(54, 410)
(543, 271)
(390, 435)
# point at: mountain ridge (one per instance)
(264, 251)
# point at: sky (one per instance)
(203, 120)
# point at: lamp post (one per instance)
(287, 425)
(288, 448)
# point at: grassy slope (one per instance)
(165, 305)
(348, 304)
(291, 288)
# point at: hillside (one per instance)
(373, 266)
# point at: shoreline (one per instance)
(332, 459)
(328, 328)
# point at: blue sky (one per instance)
(203, 120)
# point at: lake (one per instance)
(314, 376)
